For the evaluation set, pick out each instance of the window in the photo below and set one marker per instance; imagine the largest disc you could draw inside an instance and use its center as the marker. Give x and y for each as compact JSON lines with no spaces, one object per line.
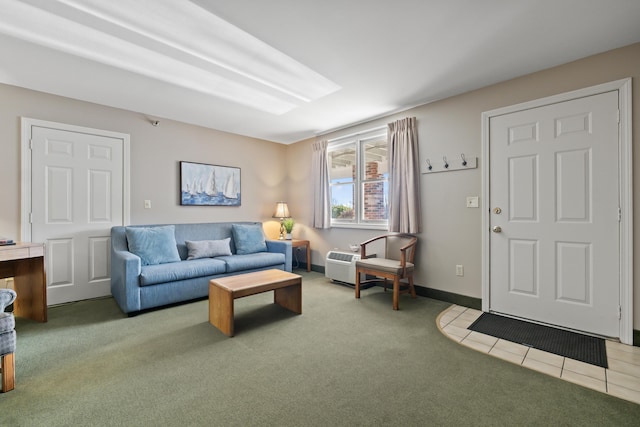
{"x":359,"y":180}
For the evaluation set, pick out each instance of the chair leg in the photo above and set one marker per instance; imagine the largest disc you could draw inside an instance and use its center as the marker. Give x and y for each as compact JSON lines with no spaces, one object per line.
{"x":396,"y":292}
{"x":357,"y":284}
{"x":411,"y":288}
{"x":8,"y":366}
{"x":386,"y":282}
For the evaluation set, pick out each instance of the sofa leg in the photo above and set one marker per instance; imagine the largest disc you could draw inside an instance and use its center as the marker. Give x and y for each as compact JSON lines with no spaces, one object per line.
{"x":8,"y":367}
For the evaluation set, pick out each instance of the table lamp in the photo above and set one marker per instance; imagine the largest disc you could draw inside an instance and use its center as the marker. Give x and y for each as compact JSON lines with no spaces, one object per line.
{"x":282,"y":212}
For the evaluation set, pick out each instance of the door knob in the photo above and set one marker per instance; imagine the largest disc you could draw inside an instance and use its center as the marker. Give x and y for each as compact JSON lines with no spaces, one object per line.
{"x":497,"y":229}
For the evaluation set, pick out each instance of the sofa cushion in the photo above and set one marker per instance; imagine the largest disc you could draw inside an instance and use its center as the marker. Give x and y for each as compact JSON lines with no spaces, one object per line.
{"x":383,"y":264}
{"x":154,"y":245}
{"x":248,"y":238}
{"x":170,"y":272}
{"x":237,"y":263}
{"x":208,"y":248}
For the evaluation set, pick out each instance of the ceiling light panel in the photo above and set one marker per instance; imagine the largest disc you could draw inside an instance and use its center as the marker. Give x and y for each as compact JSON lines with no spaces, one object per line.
{"x":175,"y":41}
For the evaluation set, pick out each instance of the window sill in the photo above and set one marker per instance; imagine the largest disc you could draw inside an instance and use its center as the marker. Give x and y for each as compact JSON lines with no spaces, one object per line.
{"x":384,"y":227}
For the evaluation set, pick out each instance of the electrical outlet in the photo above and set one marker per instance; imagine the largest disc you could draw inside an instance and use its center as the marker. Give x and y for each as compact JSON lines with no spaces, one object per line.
{"x":459,"y":270}
{"x":472,"y":201}
{"x":147,"y":204}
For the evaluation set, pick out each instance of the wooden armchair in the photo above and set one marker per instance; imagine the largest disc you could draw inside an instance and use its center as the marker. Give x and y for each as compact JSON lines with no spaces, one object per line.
{"x":397,"y":264}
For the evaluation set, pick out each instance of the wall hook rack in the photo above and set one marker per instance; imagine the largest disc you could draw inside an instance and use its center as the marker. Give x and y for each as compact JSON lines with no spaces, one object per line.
{"x":464,"y":163}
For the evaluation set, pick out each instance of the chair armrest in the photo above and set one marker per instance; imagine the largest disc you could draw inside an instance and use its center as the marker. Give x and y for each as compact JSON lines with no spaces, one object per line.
{"x":363,"y":245}
{"x":403,"y":258}
{"x":403,"y":253}
{"x":7,"y":296}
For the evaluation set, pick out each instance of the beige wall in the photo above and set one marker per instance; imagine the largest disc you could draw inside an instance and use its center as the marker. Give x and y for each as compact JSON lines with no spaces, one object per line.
{"x":155,"y":153}
{"x":451,"y":232}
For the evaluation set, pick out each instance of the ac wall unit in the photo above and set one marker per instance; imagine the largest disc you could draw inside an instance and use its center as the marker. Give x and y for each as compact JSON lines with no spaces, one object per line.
{"x":340,"y":266}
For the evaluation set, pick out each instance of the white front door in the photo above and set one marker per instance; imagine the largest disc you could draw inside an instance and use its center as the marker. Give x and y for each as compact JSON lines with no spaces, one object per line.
{"x":554,"y":205}
{"x":77,"y":196}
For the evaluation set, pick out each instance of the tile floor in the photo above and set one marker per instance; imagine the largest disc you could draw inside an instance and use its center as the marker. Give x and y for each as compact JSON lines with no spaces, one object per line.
{"x":621,"y":379}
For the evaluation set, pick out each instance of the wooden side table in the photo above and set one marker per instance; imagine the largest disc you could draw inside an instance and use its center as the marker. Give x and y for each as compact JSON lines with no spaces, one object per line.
{"x":25,"y":263}
{"x":295,"y":243}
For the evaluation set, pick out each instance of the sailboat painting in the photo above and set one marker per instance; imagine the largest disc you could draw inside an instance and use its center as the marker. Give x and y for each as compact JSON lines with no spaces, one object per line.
{"x":209,"y":185}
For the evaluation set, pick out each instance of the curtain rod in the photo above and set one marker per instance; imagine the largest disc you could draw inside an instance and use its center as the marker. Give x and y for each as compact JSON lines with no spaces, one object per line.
{"x":357,"y":133}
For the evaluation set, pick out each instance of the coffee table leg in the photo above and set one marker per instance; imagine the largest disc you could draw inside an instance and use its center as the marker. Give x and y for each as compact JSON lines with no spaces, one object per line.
{"x":289,"y":297}
{"x":221,"y":309}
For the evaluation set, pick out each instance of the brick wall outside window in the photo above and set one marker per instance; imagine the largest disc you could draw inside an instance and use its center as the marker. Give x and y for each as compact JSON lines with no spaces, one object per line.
{"x":374,"y":208}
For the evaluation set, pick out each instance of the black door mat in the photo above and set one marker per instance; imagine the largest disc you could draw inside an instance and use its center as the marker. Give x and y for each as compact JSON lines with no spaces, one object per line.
{"x":575,"y":346}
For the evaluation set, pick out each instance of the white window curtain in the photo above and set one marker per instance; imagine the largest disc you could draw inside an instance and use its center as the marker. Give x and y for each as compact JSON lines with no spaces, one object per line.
{"x":321,"y":192}
{"x":404,"y":187}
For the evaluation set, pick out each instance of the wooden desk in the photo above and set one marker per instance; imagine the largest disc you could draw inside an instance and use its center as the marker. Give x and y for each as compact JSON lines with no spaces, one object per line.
{"x":25,"y":263}
{"x":298,"y":243}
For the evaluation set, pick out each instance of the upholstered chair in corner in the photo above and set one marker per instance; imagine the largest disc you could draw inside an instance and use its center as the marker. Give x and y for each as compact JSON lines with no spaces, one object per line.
{"x":7,"y":340}
{"x":395,"y":264}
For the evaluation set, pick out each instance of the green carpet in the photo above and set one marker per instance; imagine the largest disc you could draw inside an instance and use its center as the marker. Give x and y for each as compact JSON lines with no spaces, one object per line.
{"x":342,"y":362}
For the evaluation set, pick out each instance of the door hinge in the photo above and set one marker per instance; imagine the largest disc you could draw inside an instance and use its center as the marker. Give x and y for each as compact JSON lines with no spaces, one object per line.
{"x":619,"y":312}
{"x":30,"y":217}
{"x":619,"y":214}
{"x":618,"y":116}
{"x":31,"y":144}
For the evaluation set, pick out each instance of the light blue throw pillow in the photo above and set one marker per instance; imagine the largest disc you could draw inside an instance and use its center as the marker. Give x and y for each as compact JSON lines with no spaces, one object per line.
{"x":154,"y":245}
{"x":248,"y":238}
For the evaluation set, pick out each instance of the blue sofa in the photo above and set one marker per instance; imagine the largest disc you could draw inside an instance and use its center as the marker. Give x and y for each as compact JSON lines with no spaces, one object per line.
{"x":136,"y":286}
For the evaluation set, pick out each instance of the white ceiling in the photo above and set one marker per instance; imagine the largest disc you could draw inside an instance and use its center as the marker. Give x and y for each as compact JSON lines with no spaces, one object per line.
{"x":369,"y":58}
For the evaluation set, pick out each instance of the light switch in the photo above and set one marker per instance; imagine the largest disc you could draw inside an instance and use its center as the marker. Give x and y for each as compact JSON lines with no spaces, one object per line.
{"x":472,"y":201}
{"x":147,"y":204}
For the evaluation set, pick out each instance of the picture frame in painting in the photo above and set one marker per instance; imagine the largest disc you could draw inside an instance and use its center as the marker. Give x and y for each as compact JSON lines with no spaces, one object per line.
{"x":202,"y":184}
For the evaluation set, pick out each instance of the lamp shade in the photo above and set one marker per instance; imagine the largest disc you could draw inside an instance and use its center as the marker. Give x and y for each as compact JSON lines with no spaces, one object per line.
{"x":282,"y":210}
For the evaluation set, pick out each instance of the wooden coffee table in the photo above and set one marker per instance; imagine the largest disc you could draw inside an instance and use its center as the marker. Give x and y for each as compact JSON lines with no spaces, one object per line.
{"x":287,"y":289}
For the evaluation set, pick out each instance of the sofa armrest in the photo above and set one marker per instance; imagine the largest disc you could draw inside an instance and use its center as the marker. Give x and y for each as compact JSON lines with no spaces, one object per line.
{"x":283,"y":247}
{"x":125,"y":286}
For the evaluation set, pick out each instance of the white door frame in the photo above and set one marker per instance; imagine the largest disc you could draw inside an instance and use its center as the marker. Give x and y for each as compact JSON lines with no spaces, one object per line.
{"x":26,"y":125}
{"x":625,"y":164}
